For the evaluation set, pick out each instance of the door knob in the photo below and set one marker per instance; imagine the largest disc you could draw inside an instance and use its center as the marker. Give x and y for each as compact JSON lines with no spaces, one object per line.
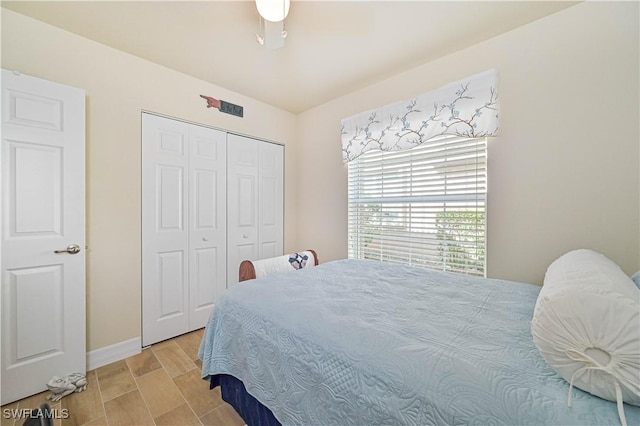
{"x":72,"y":249}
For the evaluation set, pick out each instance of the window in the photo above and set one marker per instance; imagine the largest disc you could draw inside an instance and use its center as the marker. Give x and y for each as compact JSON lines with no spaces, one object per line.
{"x":423,"y":207}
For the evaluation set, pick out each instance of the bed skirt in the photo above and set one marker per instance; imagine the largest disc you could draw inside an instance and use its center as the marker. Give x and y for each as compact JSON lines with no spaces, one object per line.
{"x":249,"y":408}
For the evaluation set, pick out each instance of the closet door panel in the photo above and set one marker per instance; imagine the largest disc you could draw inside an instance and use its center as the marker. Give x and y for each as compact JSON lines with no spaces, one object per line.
{"x":255,"y":201}
{"x":270,"y":200}
{"x":242,"y":201}
{"x":207,"y":221}
{"x":165,"y":269}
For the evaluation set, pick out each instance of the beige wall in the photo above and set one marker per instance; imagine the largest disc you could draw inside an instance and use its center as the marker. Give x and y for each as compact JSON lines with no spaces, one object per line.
{"x":118,"y":86}
{"x":563,"y":173}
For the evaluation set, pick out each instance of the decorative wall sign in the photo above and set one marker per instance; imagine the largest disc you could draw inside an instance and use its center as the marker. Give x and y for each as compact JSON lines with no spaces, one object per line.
{"x":223,"y":106}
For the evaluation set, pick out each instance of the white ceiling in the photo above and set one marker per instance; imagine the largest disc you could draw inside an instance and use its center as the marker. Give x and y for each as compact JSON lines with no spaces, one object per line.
{"x":333,"y":47}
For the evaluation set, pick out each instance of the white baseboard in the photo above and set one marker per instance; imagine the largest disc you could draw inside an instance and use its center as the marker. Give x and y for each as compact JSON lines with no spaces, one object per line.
{"x":113,"y":353}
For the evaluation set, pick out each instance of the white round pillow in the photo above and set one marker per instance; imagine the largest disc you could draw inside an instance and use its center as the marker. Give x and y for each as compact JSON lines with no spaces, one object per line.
{"x":586,"y":324}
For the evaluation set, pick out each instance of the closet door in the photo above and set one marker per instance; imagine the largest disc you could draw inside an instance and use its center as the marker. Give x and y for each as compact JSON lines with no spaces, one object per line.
{"x":242,"y":203}
{"x":254,"y":201}
{"x":165,"y":236}
{"x":270,"y":200}
{"x":183,"y":225}
{"x":208,"y":222}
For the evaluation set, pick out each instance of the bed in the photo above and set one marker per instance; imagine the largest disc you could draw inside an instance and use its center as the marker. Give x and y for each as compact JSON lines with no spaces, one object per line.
{"x":362,"y":342}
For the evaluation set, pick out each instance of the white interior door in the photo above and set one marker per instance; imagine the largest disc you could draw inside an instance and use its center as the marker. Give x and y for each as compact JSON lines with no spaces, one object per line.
{"x":270,"y":200}
{"x":254,"y":201}
{"x":183,"y":225}
{"x":242,"y":203}
{"x":208,"y":222}
{"x":165,"y":236}
{"x":43,"y":233}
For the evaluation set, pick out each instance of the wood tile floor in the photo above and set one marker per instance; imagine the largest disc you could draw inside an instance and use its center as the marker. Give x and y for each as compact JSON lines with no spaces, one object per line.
{"x":160,"y":386}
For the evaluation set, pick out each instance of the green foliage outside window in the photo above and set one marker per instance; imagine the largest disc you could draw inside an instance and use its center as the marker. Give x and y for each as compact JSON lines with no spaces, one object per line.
{"x":461,"y":238}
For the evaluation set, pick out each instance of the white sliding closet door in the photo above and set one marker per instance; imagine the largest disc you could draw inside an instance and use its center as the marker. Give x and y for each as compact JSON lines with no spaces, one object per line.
{"x":254,"y":201}
{"x":183,"y":225}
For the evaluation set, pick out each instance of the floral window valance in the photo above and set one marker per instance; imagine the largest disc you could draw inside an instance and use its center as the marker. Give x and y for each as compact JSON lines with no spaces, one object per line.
{"x":468,"y":107}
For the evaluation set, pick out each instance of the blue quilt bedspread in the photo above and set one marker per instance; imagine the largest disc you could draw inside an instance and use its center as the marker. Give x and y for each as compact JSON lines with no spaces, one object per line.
{"x":367,"y":343}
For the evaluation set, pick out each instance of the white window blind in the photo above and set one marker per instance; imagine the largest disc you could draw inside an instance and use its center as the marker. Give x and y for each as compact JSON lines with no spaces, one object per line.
{"x":423,"y":207}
